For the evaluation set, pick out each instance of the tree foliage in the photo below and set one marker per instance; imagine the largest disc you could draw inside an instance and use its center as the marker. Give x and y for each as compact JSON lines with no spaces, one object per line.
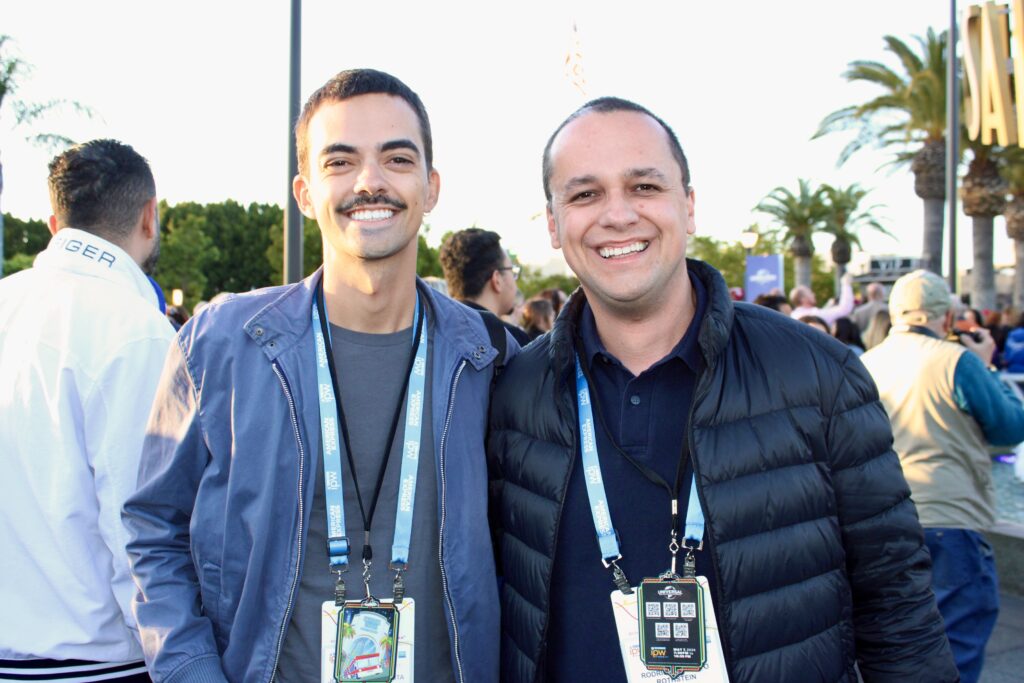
{"x":18,"y":262}
{"x":22,"y":241}
{"x":911,"y":108}
{"x":799,"y":215}
{"x":845,"y":217}
{"x":428,"y":259}
{"x":532,"y":282}
{"x":24,"y":236}
{"x":185,"y":252}
{"x":729,"y":258}
{"x":312,"y":249}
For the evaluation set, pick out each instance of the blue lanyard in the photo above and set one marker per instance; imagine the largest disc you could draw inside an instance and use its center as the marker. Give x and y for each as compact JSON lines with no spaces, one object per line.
{"x":337,"y":543}
{"x":607,"y":537}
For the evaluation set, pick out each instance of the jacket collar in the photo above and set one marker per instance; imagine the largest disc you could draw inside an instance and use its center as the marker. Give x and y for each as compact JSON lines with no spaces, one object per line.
{"x":714,"y":330}
{"x":84,"y":253}
{"x":285,"y":322}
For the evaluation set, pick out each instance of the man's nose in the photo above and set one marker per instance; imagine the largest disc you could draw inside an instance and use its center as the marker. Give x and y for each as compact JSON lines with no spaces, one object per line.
{"x":618,"y":212}
{"x":370,"y":180}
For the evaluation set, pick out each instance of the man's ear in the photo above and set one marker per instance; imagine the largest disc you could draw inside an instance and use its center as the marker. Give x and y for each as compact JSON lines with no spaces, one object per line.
{"x":553,"y":229}
{"x":433,"y":190}
{"x":300,"y":189}
{"x":52,"y":224}
{"x":149,"y":220}
{"x":495,"y":281}
{"x":691,"y":201}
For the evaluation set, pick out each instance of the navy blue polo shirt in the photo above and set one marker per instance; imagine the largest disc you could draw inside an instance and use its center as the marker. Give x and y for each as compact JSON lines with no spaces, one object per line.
{"x":646,"y":416}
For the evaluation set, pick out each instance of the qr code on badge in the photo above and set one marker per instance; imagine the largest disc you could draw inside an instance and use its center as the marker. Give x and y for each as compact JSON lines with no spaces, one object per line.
{"x":653,"y":610}
{"x":688,"y":610}
{"x":681,"y":631}
{"x":662,"y":630}
{"x":671,"y":610}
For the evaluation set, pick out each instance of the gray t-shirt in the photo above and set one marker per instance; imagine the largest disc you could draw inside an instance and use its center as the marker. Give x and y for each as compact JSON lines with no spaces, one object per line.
{"x":371,"y":372}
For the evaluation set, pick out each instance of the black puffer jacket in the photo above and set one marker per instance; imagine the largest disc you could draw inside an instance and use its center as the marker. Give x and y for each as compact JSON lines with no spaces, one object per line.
{"x":818,"y":554}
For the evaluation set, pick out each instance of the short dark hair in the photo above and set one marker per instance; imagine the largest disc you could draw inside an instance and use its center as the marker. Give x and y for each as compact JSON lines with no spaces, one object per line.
{"x":608,"y":105}
{"x":846,"y":331}
{"x":469,"y":258}
{"x":353,"y":83}
{"x":772,"y":301}
{"x":536,"y":310}
{"x":101,"y":187}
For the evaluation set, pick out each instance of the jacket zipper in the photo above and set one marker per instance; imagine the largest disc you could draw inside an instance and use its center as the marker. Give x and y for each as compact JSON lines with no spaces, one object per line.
{"x":444,"y":511}
{"x":698,"y":394}
{"x":299,"y":536}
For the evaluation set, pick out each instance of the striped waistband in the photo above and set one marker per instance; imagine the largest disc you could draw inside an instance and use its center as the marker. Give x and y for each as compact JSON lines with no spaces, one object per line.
{"x":76,"y":670}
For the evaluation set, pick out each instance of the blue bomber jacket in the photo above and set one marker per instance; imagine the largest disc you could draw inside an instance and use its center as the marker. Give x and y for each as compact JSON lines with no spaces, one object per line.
{"x":226,"y":485}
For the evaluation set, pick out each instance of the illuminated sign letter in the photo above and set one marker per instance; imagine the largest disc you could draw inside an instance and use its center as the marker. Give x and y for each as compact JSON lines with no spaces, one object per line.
{"x":995,"y":79}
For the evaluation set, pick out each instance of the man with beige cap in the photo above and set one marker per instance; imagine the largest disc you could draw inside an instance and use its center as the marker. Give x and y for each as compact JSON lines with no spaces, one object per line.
{"x":947,"y":405}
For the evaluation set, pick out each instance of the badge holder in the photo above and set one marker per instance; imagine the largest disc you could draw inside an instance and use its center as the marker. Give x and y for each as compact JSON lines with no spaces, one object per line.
{"x":672,"y":618}
{"x":367,"y":639}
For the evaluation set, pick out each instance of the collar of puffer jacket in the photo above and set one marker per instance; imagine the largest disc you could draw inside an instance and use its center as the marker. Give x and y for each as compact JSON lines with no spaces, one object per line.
{"x":714,"y":329}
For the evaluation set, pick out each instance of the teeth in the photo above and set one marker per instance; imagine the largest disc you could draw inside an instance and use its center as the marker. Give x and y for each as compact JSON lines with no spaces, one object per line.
{"x":372,"y":214}
{"x":609,"y":252}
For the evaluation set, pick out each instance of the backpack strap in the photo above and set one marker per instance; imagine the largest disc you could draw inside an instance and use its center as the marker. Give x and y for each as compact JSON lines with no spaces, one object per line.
{"x":496,"y":331}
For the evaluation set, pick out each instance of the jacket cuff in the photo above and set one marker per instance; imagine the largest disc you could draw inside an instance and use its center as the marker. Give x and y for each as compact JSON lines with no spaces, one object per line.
{"x":205,"y":669}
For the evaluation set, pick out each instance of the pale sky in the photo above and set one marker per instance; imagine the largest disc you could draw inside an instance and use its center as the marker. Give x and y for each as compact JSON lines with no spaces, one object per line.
{"x":200,"y":89}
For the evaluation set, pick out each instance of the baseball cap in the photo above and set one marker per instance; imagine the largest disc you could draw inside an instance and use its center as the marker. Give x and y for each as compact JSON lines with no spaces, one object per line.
{"x":917,"y":298}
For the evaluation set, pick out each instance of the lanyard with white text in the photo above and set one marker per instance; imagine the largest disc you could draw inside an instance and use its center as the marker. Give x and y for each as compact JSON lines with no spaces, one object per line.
{"x":331,"y":416}
{"x":607,"y":537}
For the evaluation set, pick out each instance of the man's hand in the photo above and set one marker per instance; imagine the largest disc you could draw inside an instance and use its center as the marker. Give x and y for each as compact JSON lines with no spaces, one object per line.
{"x":984,"y":348}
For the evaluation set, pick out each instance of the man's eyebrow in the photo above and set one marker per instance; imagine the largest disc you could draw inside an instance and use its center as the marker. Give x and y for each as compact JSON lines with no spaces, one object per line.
{"x":649,"y":172}
{"x":400,"y":144}
{"x":337,"y":148}
{"x":579,"y":180}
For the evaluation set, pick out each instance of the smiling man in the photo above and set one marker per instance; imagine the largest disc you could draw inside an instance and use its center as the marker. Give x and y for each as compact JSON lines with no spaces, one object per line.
{"x":691,"y":483}
{"x":313,"y":496}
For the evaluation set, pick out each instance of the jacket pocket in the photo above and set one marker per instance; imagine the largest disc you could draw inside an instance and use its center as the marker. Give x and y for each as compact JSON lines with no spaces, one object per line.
{"x":210,"y":591}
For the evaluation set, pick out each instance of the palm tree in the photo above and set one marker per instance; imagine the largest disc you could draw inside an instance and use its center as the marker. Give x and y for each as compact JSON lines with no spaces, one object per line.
{"x":1012,"y":169}
{"x":844,"y":217}
{"x":911,"y":115}
{"x":799,"y":215}
{"x":983,"y":193}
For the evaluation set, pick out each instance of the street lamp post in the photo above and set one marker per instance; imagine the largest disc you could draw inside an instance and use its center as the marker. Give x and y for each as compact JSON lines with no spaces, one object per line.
{"x":292,"y":257}
{"x":748,"y":239}
{"x":952,"y":139}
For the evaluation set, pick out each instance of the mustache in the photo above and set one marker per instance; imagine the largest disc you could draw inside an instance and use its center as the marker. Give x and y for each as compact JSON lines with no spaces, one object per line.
{"x":368,"y":200}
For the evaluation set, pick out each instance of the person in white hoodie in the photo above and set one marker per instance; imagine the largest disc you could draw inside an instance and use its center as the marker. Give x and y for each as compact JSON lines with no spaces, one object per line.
{"x":82,"y":345}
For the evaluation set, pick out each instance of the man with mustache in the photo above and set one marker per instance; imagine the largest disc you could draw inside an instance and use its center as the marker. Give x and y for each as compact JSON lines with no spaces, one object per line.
{"x":313,"y":501}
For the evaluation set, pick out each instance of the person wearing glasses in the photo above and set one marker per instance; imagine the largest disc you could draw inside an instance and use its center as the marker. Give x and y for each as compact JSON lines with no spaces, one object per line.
{"x":481,"y":275}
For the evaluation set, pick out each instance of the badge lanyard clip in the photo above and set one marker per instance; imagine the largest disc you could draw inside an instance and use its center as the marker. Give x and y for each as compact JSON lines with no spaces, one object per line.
{"x":339,"y":587}
{"x":398,"y":590}
{"x":618,"y":576}
{"x":673,"y":545}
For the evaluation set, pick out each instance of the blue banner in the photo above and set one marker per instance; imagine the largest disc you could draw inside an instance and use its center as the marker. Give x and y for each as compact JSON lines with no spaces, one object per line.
{"x":764,"y":273}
